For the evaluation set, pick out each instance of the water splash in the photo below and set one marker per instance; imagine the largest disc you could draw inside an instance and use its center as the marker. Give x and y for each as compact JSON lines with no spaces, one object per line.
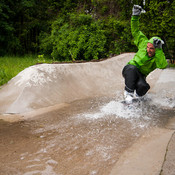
{"x":165,"y":100}
{"x":36,"y":75}
{"x":140,"y":114}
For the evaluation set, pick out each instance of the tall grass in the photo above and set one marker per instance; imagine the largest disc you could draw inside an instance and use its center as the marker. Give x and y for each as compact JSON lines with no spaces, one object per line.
{"x":10,"y":66}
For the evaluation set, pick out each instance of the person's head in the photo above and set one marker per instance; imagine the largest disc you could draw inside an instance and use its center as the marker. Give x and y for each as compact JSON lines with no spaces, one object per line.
{"x":150,"y":46}
{"x":150,"y":50}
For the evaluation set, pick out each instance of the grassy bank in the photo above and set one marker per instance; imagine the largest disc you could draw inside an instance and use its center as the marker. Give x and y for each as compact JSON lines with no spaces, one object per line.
{"x":10,"y":66}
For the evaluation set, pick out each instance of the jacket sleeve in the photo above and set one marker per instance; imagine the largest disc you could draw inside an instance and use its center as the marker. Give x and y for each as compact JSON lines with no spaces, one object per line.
{"x":140,"y":39}
{"x":161,"y":61}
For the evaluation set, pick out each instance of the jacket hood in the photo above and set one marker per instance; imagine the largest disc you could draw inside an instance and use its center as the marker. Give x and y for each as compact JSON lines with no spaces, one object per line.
{"x":152,"y":39}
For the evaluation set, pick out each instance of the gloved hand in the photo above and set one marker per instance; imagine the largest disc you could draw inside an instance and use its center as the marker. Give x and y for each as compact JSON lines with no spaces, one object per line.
{"x":136,"y":10}
{"x":158,"y":43}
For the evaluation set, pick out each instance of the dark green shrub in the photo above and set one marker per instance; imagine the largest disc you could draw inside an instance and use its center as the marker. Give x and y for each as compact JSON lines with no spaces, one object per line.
{"x":119,"y":36}
{"x":160,"y":21}
{"x":80,"y":37}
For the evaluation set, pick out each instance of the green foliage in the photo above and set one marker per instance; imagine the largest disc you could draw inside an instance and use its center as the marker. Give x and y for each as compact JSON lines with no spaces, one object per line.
{"x":74,"y":29}
{"x":20,"y":24}
{"x":41,"y":59}
{"x":160,"y":21}
{"x":81,"y":37}
{"x":70,"y":30}
{"x":76,"y":37}
{"x":10,"y":66}
{"x":7,"y":39}
{"x":3,"y":77}
{"x":119,"y":36}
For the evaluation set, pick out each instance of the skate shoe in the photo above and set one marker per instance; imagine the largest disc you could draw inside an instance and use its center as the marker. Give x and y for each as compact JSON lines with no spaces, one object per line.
{"x":129,"y":96}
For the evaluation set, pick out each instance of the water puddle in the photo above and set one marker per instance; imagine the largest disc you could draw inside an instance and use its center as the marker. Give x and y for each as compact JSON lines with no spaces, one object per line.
{"x":86,"y":138}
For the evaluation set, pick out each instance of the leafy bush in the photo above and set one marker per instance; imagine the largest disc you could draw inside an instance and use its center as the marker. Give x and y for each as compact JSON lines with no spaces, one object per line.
{"x":160,"y":21}
{"x":76,"y":37}
{"x":119,"y":36}
{"x":81,"y":37}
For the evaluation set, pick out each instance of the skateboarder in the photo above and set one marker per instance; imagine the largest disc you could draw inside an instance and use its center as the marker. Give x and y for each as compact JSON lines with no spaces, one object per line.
{"x":148,"y":57}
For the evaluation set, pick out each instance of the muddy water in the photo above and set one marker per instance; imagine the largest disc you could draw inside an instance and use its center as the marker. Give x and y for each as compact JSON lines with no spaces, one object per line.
{"x":85,"y":138}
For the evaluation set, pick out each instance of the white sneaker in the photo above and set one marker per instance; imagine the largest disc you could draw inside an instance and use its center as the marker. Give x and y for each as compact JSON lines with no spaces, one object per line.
{"x":136,"y":95}
{"x":129,"y":96}
{"x":139,"y":97}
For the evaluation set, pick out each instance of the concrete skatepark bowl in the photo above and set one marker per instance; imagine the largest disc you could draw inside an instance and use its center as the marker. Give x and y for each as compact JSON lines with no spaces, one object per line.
{"x":67,"y":119}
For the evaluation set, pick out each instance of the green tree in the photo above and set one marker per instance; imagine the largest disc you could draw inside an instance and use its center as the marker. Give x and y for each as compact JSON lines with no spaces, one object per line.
{"x":28,"y":25}
{"x":7,"y":37}
{"x":31,"y":17}
{"x":160,"y":21}
{"x":80,"y":36}
{"x":76,"y":37}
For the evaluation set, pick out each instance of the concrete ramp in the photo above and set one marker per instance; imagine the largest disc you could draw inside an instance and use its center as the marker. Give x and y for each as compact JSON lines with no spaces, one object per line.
{"x":71,"y":121}
{"x":49,"y":84}
{"x":164,"y":89}
{"x":46,"y":85}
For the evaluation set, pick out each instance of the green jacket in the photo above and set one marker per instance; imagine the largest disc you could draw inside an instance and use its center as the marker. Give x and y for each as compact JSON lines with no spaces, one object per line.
{"x":141,"y":60}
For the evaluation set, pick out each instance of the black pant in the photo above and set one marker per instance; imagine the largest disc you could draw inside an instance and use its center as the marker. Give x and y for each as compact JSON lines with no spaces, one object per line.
{"x":134,"y":80}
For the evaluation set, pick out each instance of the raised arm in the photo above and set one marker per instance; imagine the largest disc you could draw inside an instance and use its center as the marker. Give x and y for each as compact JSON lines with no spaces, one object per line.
{"x":160,"y":59}
{"x":140,"y":39}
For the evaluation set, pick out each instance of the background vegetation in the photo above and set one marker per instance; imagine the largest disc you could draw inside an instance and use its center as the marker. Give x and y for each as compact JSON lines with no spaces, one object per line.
{"x":69,"y":30}
{"x":11,"y":65}
{"x":80,"y":29}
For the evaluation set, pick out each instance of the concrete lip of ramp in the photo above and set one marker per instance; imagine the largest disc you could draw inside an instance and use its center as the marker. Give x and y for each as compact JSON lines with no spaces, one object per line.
{"x":67,"y":119}
{"x":49,"y":84}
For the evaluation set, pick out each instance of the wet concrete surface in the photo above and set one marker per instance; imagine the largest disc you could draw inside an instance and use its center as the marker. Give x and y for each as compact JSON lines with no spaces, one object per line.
{"x":69,"y":120}
{"x":169,"y":164}
{"x":168,"y":167}
{"x":70,"y":141}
